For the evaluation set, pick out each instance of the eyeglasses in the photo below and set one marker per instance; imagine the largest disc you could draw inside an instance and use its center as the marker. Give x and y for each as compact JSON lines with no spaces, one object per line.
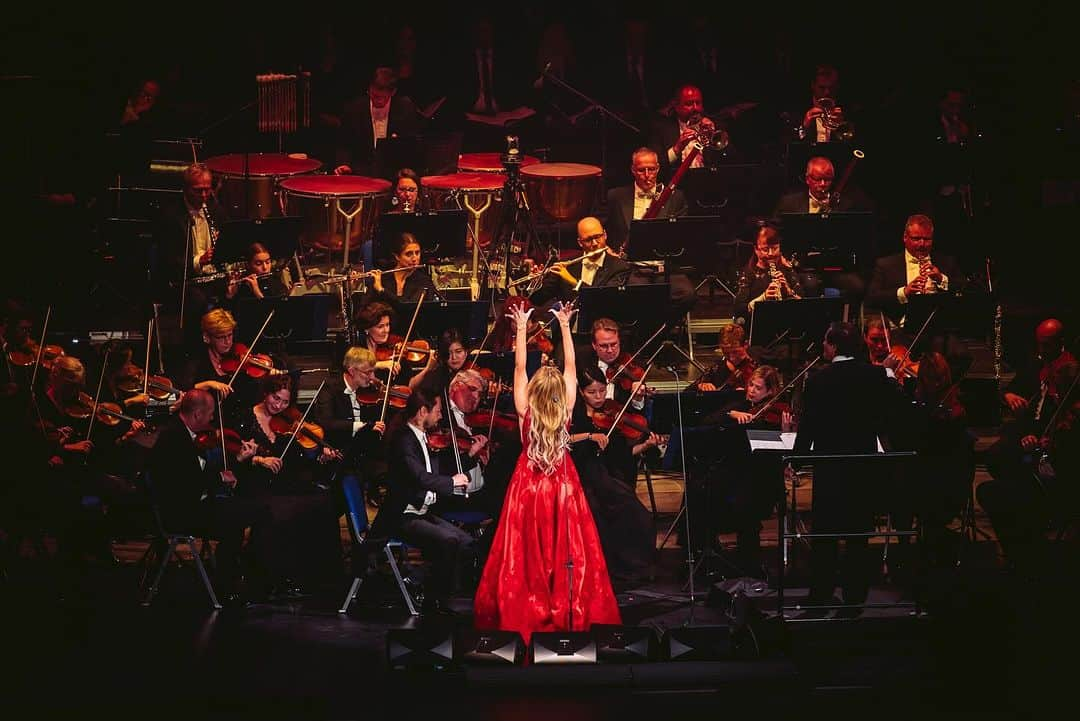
{"x":607,"y":346}
{"x":592,"y":238}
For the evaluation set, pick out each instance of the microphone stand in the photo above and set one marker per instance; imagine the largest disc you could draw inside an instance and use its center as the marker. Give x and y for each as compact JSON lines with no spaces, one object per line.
{"x":686,"y":496}
{"x":593,"y":105}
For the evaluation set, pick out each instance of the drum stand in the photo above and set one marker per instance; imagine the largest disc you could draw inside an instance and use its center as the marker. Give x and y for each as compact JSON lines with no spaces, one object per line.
{"x":474,"y":231}
{"x":346,"y":285}
{"x":514,"y":212}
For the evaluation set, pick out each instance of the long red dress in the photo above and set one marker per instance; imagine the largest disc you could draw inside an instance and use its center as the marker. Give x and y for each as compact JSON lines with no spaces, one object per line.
{"x":545,"y":519}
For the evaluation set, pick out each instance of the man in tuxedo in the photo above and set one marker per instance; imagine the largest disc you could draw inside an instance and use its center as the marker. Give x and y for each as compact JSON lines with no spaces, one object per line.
{"x":415,"y":488}
{"x":629,"y":203}
{"x":601,"y":269}
{"x":847,"y":407}
{"x":672,"y":137}
{"x":915,"y":271}
{"x":195,"y":496}
{"x":605,"y":353}
{"x":816,"y":196}
{"x":371,"y":120}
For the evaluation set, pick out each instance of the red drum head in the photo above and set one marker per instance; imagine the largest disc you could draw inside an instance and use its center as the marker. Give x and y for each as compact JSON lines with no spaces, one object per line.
{"x":261,"y":164}
{"x":464,"y":181}
{"x":345,"y":186}
{"x":488,"y":162}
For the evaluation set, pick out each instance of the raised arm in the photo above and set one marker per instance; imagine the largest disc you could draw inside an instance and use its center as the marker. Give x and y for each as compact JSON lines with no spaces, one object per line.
{"x":521,"y":376}
{"x":562,"y":316}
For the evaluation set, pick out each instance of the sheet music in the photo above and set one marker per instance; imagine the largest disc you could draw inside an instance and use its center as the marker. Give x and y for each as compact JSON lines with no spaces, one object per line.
{"x":776,"y":441}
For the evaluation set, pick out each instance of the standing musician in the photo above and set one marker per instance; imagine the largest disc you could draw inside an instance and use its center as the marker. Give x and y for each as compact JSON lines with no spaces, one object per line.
{"x":372,"y":119}
{"x":608,"y":469}
{"x":629,"y":203}
{"x":404,"y":286}
{"x":768,"y":275}
{"x":916,"y":271}
{"x":282,"y":474}
{"x":417,"y":486}
{"x":600,"y":270}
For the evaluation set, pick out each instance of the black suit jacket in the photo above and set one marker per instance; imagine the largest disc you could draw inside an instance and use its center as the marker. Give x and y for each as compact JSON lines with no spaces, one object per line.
{"x":409,"y":481}
{"x":798,"y":201}
{"x":172,"y":231}
{"x":890,"y":274}
{"x":614,"y":272}
{"x":620,"y":203}
{"x":334,"y":412}
{"x":356,"y":144}
{"x":178,"y":483}
{"x":847,"y":406}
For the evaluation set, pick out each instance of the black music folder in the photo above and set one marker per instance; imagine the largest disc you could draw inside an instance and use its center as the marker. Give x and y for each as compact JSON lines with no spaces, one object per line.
{"x":807,"y":318}
{"x":441,"y":233}
{"x":833,"y":241}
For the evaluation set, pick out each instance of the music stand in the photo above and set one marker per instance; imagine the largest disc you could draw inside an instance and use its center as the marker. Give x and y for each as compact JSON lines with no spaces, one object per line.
{"x":280,"y":235}
{"x":470,"y":317}
{"x":834,"y":241}
{"x":641,"y":308}
{"x":969,"y":316}
{"x":297,"y":319}
{"x":804,"y":318}
{"x":441,"y":234}
{"x":730,"y":190}
{"x":689,"y":243}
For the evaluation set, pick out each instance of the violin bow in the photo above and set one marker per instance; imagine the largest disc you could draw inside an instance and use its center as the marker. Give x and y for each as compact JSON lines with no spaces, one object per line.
{"x":885,"y":327}
{"x":97,"y":396}
{"x":784,"y":390}
{"x":918,"y":335}
{"x":401,"y":353}
{"x":221,"y":430}
{"x":251,"y":348}
{"x":494,"y":405}
{"x":451,"y":421}
{"x":644,"y":345}
{"x":37,"y":364}
{"x":146,"y":369}
{"x":303,"y":418}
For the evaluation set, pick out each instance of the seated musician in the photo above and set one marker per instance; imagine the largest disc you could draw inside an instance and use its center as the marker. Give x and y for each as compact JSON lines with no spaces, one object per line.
{"x":735,"y":491}
{"x":417,"y":486}
{"x":204,"y":370}
{"x":917,"y":270}
{"x":450,"y":356}
{"x":629,"y":203}
{"x":257,"y":279}
{"x":373,"y":321}
{"x":608,"y":469}
{"x":672,"y":137}
{"x":371,"y":119}
{"x":600,"y":270}
{"x":194,"y":495}
{"x":734,"y":369}
{"x":605,"y":352}
{"x":283,"y":475}
{"x":407,"y":195}
{"x":768,"y":275}
{"x":504,"y":332}
{"x":1032,"y":397}
{"x":404,"y":286}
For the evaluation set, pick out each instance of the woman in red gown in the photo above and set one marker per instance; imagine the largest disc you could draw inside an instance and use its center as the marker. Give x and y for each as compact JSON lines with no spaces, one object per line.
{"x":528,"y":583}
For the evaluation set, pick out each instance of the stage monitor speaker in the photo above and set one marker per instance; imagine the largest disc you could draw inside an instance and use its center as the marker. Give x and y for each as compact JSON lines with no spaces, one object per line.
{"x":559,"y":647}
{"x":419,"y":648}
{"x":491,"y":647}
{"x":624,"y":644}
{"x":698,"y":643}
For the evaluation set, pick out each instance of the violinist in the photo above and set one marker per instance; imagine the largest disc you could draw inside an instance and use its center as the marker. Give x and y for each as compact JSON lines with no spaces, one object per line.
{"x":450,"y":357}
{"x":373,"y":323}
{"x":474,"y":448}
{"x":608,"y":470}
{"x":734,"y":370}
{"x":258,"y":279}
{"x":282,"y":475}
{"x":504,"y":332}
{"x":184,"y":483}
{"x":768,"y":276}
{"x":404,"y":286}
{"x":606,"y":353}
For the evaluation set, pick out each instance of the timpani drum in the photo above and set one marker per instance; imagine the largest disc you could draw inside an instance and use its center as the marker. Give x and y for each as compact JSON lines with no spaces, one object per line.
{"x":319,"y":198}
{"x":488,"y":162}
{"x":251,"y":194}
{"x":478,"y":193}
{"x":562,"y":191}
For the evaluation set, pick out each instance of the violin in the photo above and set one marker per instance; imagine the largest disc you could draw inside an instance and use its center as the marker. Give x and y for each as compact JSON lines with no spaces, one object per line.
{"x":908,"y":369}
{"x":80,"y":407}
{"x":441,"y":441}
{"x":418,"y":350}
{"x":498,"y":421}
{"x":536,"y":340}
{"x":157,"y":387}
{"x":630,"y":373}
{"x":26,"y":356}
{"x":774,"y":413}
{"x":399,"y":395}
{"x":738,"y":374}
{"x":633,"y":426}
{"x":211,"y":439}
{"x":309,"y":436}
{"x":257,"y":365}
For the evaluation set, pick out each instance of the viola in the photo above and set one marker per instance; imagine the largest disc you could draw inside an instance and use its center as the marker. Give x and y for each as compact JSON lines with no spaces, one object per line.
{"x":633,"y":426}
{"x":257,"y":365}
{"x":309,"y":436}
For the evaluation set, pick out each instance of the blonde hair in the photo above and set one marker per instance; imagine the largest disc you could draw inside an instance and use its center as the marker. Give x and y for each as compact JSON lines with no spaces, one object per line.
{"x":548,"y":436}
{"x":357,"y":356}
{"x":68,"y":371}
{"x":218,"y":322}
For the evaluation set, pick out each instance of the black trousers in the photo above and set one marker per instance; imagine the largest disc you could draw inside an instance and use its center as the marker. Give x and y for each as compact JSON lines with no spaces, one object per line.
{"x":447,"y":549}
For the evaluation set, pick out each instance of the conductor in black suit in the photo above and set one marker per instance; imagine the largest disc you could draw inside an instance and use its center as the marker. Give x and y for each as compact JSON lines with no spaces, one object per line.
{"x":414,"y":488}
{"x":630,"y":202}
{"x":846,"y":409}
{"x":600,"y":270}
{"x":917,"y":270}
{"x":376,"y":117}
{"x":194,"y":494}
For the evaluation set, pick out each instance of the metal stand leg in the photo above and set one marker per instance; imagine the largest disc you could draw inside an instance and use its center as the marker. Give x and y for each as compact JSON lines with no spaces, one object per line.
{"x":160,"y":572}
{"x":400,"y":581}
{"x":350,"y":596}
{"x":202,"y":574}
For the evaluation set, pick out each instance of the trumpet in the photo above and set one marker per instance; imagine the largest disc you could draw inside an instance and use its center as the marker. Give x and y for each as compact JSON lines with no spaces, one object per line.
{"x":832,"y":120}
{"x":546,"y":270}
{"x":707,"y":135}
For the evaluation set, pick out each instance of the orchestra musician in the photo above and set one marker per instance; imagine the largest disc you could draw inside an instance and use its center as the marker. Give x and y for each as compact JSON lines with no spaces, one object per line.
{"x":672,"y":137}
{"x":475,"y":448}
{"x":258,"y":280}
{"x":374,"y":118}
{"x":407,"y":195}
{"x":373,"y":321}
{"x":768,"y":276}
{"x":417,"y":486}
{"x":283,"y":475}
{"x":735,"y":366}
{"x":817,"y":197}
{"x":504,"y":332}
{"x":605,"y":352}
{"x":915,"y":271}
{"x":607,"y":465}
{"x":450,"y":357}
{"x":404,"y":286}
{"x":600,"y":270}
{"x":629,"y":203}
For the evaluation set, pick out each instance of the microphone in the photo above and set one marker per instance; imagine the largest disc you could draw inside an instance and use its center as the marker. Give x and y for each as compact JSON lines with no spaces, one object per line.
{"x":539,"y":82}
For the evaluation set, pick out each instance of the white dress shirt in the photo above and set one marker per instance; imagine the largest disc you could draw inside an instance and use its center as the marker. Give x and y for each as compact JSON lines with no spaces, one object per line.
{"x":911,"y":266}
{"x":429,"y":496}
{"x":357,"y":424}
{"x":815,"y":206}
{"x":609,"y":392}
{"x":475,"y":474}
{"x":200,"y":239}
{"x":380,"y":120}
{"x":642,"y":200}
{"x":699,"y":162}
{"x":590,"y":266}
